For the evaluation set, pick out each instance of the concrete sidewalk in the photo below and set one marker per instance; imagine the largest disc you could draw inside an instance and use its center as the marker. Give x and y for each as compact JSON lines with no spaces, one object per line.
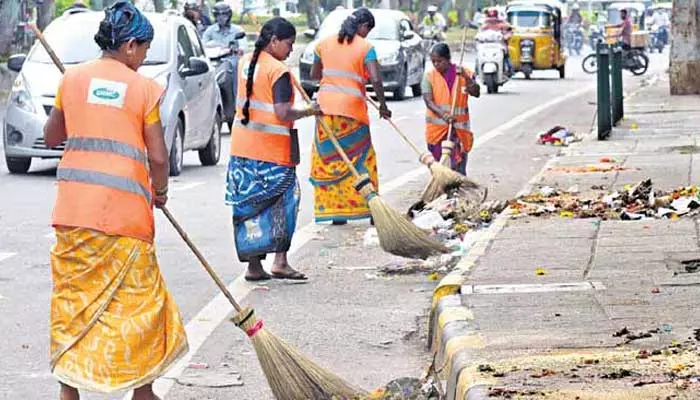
{"x":503,"y":330}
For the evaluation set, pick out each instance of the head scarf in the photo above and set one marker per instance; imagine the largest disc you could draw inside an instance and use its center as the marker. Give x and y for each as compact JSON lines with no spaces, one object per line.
{"x":125,"y":22}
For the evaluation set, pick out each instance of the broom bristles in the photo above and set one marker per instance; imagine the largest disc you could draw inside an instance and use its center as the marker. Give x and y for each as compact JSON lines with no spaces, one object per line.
{"x":399,"y":236}
{"x":444,"y":179}
{"x":289,"y":373}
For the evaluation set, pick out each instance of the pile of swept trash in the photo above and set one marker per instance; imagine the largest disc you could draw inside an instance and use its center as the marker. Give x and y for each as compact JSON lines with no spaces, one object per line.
{"x":640,"y":201}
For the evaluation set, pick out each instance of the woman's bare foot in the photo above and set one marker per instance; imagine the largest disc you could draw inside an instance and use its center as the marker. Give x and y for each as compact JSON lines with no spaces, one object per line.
{"x":69,"y":393}
{"x":282,"y":270}
{"x":256,"y":272}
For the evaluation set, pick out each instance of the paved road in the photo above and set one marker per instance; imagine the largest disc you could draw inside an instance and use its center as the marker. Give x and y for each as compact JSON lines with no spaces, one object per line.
{"x":346,"y":315}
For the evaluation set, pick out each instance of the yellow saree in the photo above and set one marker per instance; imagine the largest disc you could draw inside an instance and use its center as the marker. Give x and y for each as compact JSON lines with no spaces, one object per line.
{"x":114,"y":325}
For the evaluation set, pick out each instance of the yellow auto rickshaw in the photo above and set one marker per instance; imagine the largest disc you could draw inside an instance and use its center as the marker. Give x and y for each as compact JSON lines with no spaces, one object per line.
{"x":636,"y":12}
{"x":536,"y":43}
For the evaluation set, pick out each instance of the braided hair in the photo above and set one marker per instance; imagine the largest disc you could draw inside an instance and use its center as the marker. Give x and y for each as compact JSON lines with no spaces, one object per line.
{"x":278,"y":28}
{"x":123,"y":22}
{"x":349,"y":28}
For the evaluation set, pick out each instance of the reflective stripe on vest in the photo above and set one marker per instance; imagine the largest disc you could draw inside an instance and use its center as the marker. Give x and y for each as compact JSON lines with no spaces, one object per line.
{"x":106,"y":146}
{"x":458,"y":110}
{"x":102,"y":179}
{"x":342,"y":89}
{"x":456,"y":125}
{"x":255,"y":104}
{"x":336,"y":73}
{"x":267,"y":128}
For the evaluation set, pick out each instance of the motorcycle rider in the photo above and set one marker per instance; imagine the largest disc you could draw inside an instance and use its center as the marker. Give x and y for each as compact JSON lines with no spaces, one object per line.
{"x":626,"y":31}
{"x":434,"y":22}
{"x":493,"y":22}
{"x":660,"y":23}
{"x":574,"y":23}
{"x":223,"y":33}
{"x":194,"y":13}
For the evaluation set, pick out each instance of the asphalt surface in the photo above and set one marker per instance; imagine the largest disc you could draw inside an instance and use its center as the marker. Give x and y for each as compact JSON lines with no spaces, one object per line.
{"x":368,"y":330}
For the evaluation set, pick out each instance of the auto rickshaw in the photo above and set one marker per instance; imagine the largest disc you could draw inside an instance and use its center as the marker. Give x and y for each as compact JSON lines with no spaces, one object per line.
{"x":536,"y":43}
{"x":635,"y":11}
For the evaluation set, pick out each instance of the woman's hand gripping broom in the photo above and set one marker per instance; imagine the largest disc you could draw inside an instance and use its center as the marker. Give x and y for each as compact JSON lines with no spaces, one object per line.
{"x":291,"y":375}
{"x":397,"y":234}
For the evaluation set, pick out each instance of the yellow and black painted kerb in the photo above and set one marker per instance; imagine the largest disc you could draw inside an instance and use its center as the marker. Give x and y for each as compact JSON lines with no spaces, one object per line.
{"x":453,"y":331}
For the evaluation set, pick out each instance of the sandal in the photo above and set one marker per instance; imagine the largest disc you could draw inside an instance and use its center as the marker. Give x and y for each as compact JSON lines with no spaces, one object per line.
{"x":264,"y":277}
{"x":292,"y":275}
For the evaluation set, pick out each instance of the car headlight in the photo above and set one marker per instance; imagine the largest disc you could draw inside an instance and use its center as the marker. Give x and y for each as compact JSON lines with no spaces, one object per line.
{"x":21,"y":97}
{"x":388,"y":59}
{"x":308,"y":56}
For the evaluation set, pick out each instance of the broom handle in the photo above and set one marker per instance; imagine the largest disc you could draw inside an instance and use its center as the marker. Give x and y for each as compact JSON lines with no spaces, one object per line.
{"x":456,"y":86}
{"x":201,"y":259}
{"x":167,"y":213}
{"x":398,"y":130}
{"x":48,"y":48}
{"x":330,"y":134}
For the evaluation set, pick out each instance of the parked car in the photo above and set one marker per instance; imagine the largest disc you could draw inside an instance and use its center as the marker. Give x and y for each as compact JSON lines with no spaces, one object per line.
{"x":190,"y":110}
{"x":399,"y":50}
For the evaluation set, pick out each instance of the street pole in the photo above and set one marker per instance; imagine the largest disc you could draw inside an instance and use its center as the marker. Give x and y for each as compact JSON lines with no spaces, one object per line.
{"x":617,"y":88}
{"x":603,"y":93}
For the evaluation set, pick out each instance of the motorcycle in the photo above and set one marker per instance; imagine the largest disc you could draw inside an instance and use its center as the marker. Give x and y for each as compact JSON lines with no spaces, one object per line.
{"x":633,"y":60}
{"x":658,"y":39}
{"x":431,"y":35}
{"x":595,"y":36}
{"x":225,"y":62}
{"x":490,"y":63}
{"x":574,"y":38}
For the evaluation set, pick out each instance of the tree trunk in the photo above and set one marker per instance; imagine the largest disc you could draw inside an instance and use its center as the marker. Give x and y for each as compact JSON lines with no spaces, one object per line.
{"x":158,"y":5}
{"x":9,"y":16}
{"x":46,"y":11}
{"x":685,"y":47}
{"x":311,"y":13}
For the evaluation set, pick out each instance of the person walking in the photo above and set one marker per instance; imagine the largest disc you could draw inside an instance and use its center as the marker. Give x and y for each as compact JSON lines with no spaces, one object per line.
{"x":262,"y":187}
{"x":343,"y":62}
{"x":439,"y":87}
{"x":114,"y":325}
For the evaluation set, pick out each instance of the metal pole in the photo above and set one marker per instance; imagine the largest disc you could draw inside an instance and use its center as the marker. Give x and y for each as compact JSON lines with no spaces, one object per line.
{"x":604,"y":122}
{"x":617,"y":86}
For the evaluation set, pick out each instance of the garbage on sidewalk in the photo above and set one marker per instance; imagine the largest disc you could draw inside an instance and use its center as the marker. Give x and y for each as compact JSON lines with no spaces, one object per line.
{"x":635,"y":202}
{"x":558,"y":136}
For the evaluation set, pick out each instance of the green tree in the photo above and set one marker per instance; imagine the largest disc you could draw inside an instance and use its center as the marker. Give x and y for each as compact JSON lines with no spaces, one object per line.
{"x":9,"y":16}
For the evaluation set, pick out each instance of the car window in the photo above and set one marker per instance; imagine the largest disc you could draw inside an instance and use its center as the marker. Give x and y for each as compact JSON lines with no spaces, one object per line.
{"x":184,"y":46}
{"x":194,"y":40}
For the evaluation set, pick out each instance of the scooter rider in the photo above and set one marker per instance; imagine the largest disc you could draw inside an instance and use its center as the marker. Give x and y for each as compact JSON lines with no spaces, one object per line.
{"x":434,"y":21}
{"x":494,"y":23}
{"x":223,"y":33}
{"x":194,"y":13}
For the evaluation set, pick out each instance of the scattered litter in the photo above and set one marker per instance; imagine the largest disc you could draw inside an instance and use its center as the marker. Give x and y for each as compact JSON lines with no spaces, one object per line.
{"x":371,"y":238}
{"x":607,"y":160}
{"x":622,"y":332}
{"x":485,"y":368}
{"x":619,"y":374}
{"x":545,"y":372}
{"x":433,"y":276}
{"x":540,"y":272}
{"x":587,"y":169}
{"x":656,"y":290}
{"x":667,"y":328}
{"x":431,"y":220}
{"x":195,"y":365}
{"x":558,"y":136}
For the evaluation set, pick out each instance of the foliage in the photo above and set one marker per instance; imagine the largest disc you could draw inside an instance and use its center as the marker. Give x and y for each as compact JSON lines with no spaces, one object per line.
{"x":62,"y":5}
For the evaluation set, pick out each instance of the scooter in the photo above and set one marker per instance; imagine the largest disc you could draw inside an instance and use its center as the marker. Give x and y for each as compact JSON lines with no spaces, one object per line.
{"x":595,"y":36}
{"x":574,"y":38}
{"x":431,"y":36}
{"x":225,"y":62}
{"x":490,"y":63}
{"x":658,"y":39}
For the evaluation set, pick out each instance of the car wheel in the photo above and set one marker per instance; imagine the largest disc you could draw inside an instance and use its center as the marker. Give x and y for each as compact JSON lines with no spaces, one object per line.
{"x":18,"y":165}
{"x":177,"y":150}
{"x":562,"y":72}
{"x":400,"y":91}
{"x":210,"y":155}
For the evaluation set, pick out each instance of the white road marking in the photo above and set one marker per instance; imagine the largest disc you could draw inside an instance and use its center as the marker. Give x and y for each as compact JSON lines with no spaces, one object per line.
{"x":208,"y":319}
{"x":187,"y":186}
{"x":5,"y":256}
{"x":532,"y":288}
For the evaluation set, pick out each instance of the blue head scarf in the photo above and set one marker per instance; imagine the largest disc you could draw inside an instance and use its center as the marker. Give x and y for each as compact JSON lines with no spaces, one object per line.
{"x":122,"y":23}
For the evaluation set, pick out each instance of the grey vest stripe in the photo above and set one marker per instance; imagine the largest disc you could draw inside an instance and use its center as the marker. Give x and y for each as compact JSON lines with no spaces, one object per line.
{"x":341,"y":89}
{"x":458,"y":110}
{"x":267,"y":128}
{"x":258,"y":105}
{"x":106,"y":146}
{"x":102,"y":179}
{"x":457,"y":125}
{"x":343,"y":74}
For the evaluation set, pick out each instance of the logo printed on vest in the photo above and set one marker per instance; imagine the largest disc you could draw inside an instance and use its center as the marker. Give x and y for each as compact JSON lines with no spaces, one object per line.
{"x":106,"y":93}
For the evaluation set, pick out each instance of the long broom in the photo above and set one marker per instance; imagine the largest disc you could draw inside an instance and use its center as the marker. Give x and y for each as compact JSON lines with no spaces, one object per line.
{"x":291,"y":375}
{"x":443,"y":177}
{"x":397,"y":235}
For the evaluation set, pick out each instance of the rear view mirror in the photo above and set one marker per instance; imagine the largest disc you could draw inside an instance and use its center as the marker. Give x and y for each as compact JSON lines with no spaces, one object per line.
{"x":16,"y":62}
{"x":239,"y":35}
{"x":196,"y":66}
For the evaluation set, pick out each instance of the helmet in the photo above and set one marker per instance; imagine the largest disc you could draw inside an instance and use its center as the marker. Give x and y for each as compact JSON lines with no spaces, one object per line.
{"x":191,"y":5}
{"x":222,"y":12}
{"x":576,"y":7}
{"x":492,"y":13}
{"x":432,"y":8}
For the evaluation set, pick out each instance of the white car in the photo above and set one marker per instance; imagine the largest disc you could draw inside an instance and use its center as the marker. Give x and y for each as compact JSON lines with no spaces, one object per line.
{"x":190,"y":109}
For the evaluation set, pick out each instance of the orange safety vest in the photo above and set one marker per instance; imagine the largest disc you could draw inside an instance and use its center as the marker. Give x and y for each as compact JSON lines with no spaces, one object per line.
{"x":342,"y":89}
{"x":266,"y":137}
{"x":103,"y":179}
{"x":436,"y":127}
